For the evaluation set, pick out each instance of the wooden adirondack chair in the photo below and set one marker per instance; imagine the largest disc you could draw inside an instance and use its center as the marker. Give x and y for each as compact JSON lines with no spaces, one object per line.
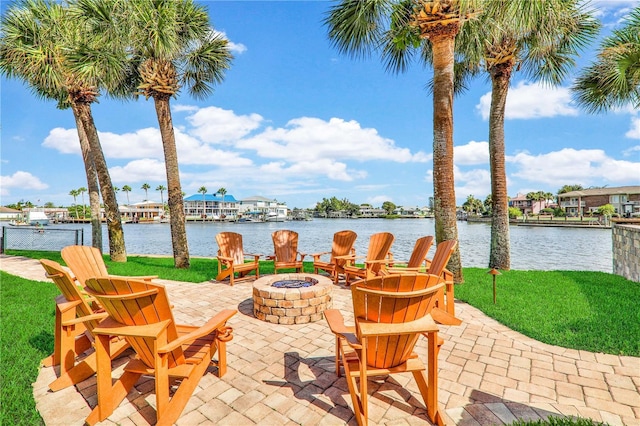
{"x":437,"y":266}
{"x":285,"y":248}
{"x":86,"y":262}
{"x":342,"y":246}
{"x":140,"y":311}
{"x":390,"y":313}
{"x":377,"y":258}
{"x":76,"y":319}
{"x":416,"y":260}
{"x":232,"y":258}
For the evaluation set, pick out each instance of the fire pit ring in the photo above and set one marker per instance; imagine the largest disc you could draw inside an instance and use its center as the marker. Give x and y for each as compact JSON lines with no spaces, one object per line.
{"x":304,"y":303}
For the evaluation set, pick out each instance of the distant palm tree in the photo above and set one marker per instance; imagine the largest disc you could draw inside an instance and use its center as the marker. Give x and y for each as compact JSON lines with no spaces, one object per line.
{"x":127,"y":189}
{"x":222,"y":192}
{"x":614,"y":79}
{"x":74,"y":193}
{"x":161,"y":188}
{"x":146,"y":187}
{"x":82,"y":190}
{"x":203,"y":190}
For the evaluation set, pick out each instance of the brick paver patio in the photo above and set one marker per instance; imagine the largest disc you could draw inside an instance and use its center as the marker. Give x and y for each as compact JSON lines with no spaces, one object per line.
{"x":284,"y":374}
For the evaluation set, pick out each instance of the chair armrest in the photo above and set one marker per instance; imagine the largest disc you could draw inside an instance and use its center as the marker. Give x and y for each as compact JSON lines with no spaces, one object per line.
{"x":348,"y":257}
{"x":320,"y":254}
{"x":336,"y":324}
{"x":213,"y":324}
{"x":111,"y":327}
{"x":302,"y":256}
{"x":81,"y":320}
{"x":422,"y":325}
{"x":225,"y":258}
{"x":254,"y":255}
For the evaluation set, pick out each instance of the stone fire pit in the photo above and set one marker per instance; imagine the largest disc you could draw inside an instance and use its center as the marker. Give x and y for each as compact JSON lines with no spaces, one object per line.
{"x":304,"y":303}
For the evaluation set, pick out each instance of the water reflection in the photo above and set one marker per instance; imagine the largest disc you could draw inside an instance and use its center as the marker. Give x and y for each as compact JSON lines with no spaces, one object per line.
{"x":540,"y":248}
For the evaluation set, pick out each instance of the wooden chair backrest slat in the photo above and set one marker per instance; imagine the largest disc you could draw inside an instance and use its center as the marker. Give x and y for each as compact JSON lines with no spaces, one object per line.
{"x":387,"y":351}
{"x":285,"y":245}
{"x":69,"y":289}
{"x":85,"y":262}
{"x":379,"y":247}
{"x":420,"y":251}
{"x":444,"y":250}
{"x":230,"y":245}
{"x":342,"y":245}
{"x":143,"y":309}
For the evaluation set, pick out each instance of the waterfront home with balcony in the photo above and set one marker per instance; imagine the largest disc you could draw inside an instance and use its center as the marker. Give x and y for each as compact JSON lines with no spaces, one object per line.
{"x":210,"y":207}
{"x":261,"y":208}
{"x":624,"y":199}
{"x":525,"y":205}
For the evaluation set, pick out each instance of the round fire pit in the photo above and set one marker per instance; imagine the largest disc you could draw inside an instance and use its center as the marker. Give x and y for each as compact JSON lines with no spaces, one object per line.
{"x":291,"y":298}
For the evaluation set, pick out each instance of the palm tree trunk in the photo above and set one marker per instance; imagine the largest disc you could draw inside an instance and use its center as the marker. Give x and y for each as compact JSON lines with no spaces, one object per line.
{"x":500,"y":252}
{"x":443,"y":180}
{"x":174,"y":190}
{"x":117,"y":249}
{"x":92,"y":185}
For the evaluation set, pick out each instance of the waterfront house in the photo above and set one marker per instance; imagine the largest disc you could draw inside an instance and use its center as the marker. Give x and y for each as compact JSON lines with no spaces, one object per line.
{"x":367,"y":210}
{"x":525,"y":205}
{"x":140,"y":212}
{"x":261,"y":208}
{"x":210,"y":207}
{"x":624,"y":199}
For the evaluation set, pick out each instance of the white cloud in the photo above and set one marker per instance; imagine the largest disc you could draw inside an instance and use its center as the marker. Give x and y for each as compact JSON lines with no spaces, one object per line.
{"x":182,"y":107}
{"x":471,"y":153}
{"x":145,"y":170}
{"x":586,"y":167}
{"x":217,"y":125}
{"x":21,"y":180}
{"x":314,"y":139}
{"x":634,"y":131}
{"x":532,"y":100}
{"x":62,"y":140}
{"x":476,"y":182}
{"x":237,"y":48}
{"x":631,"y":151}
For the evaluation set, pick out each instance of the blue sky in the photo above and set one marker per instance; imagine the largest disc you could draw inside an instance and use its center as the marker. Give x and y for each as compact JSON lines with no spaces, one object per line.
{"x":297,"y":121}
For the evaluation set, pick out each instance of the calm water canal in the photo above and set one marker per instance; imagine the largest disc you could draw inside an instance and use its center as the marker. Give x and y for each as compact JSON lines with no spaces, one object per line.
{"x":541,"y":248}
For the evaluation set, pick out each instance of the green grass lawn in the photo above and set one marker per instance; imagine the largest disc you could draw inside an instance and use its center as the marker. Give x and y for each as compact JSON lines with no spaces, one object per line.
{"x":592,"y":311}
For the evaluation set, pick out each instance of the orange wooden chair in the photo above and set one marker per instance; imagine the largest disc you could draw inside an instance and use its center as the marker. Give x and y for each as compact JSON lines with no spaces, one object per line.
{"x":390,"y":312}
{"x":232,"y":259}
{"x":140,"y":311}
{"x":285,"y":248}
{"x":87,"y":262}
{"x":416,"y":261}
{"x":376,"y":260}
{"x":75,"y":321}
{"x":342,"y":245}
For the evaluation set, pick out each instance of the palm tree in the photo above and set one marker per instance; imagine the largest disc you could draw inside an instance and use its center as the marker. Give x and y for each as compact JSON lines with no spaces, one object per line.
{"x":145,"y":186}
{"x":82,"y":190}
{"x":38,"y":40}
{"x":74,"y":193}
{"x":398,"y":28}
{"x":614,"y":79}
{"x":127,"y":189}
{"x":161,"y":188}
{"x":171,"y":46}
{"x":222,"y":192}
{"x":543,"y":39}
{"x":203,"y":190}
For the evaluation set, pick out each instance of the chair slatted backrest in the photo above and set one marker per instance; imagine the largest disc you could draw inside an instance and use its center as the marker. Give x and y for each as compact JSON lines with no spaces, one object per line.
{"x":393,"y":299}
{"x":420,"y":251}
{"x":69,"y":289}
{"x":379,"y":247}
{"x":342,"y":245}
{"x":285,"y":245}
{"x":85,"y":262}
{"x":444,"y":250}
{"x":230,"y":245}
{"x":136,"y":302}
